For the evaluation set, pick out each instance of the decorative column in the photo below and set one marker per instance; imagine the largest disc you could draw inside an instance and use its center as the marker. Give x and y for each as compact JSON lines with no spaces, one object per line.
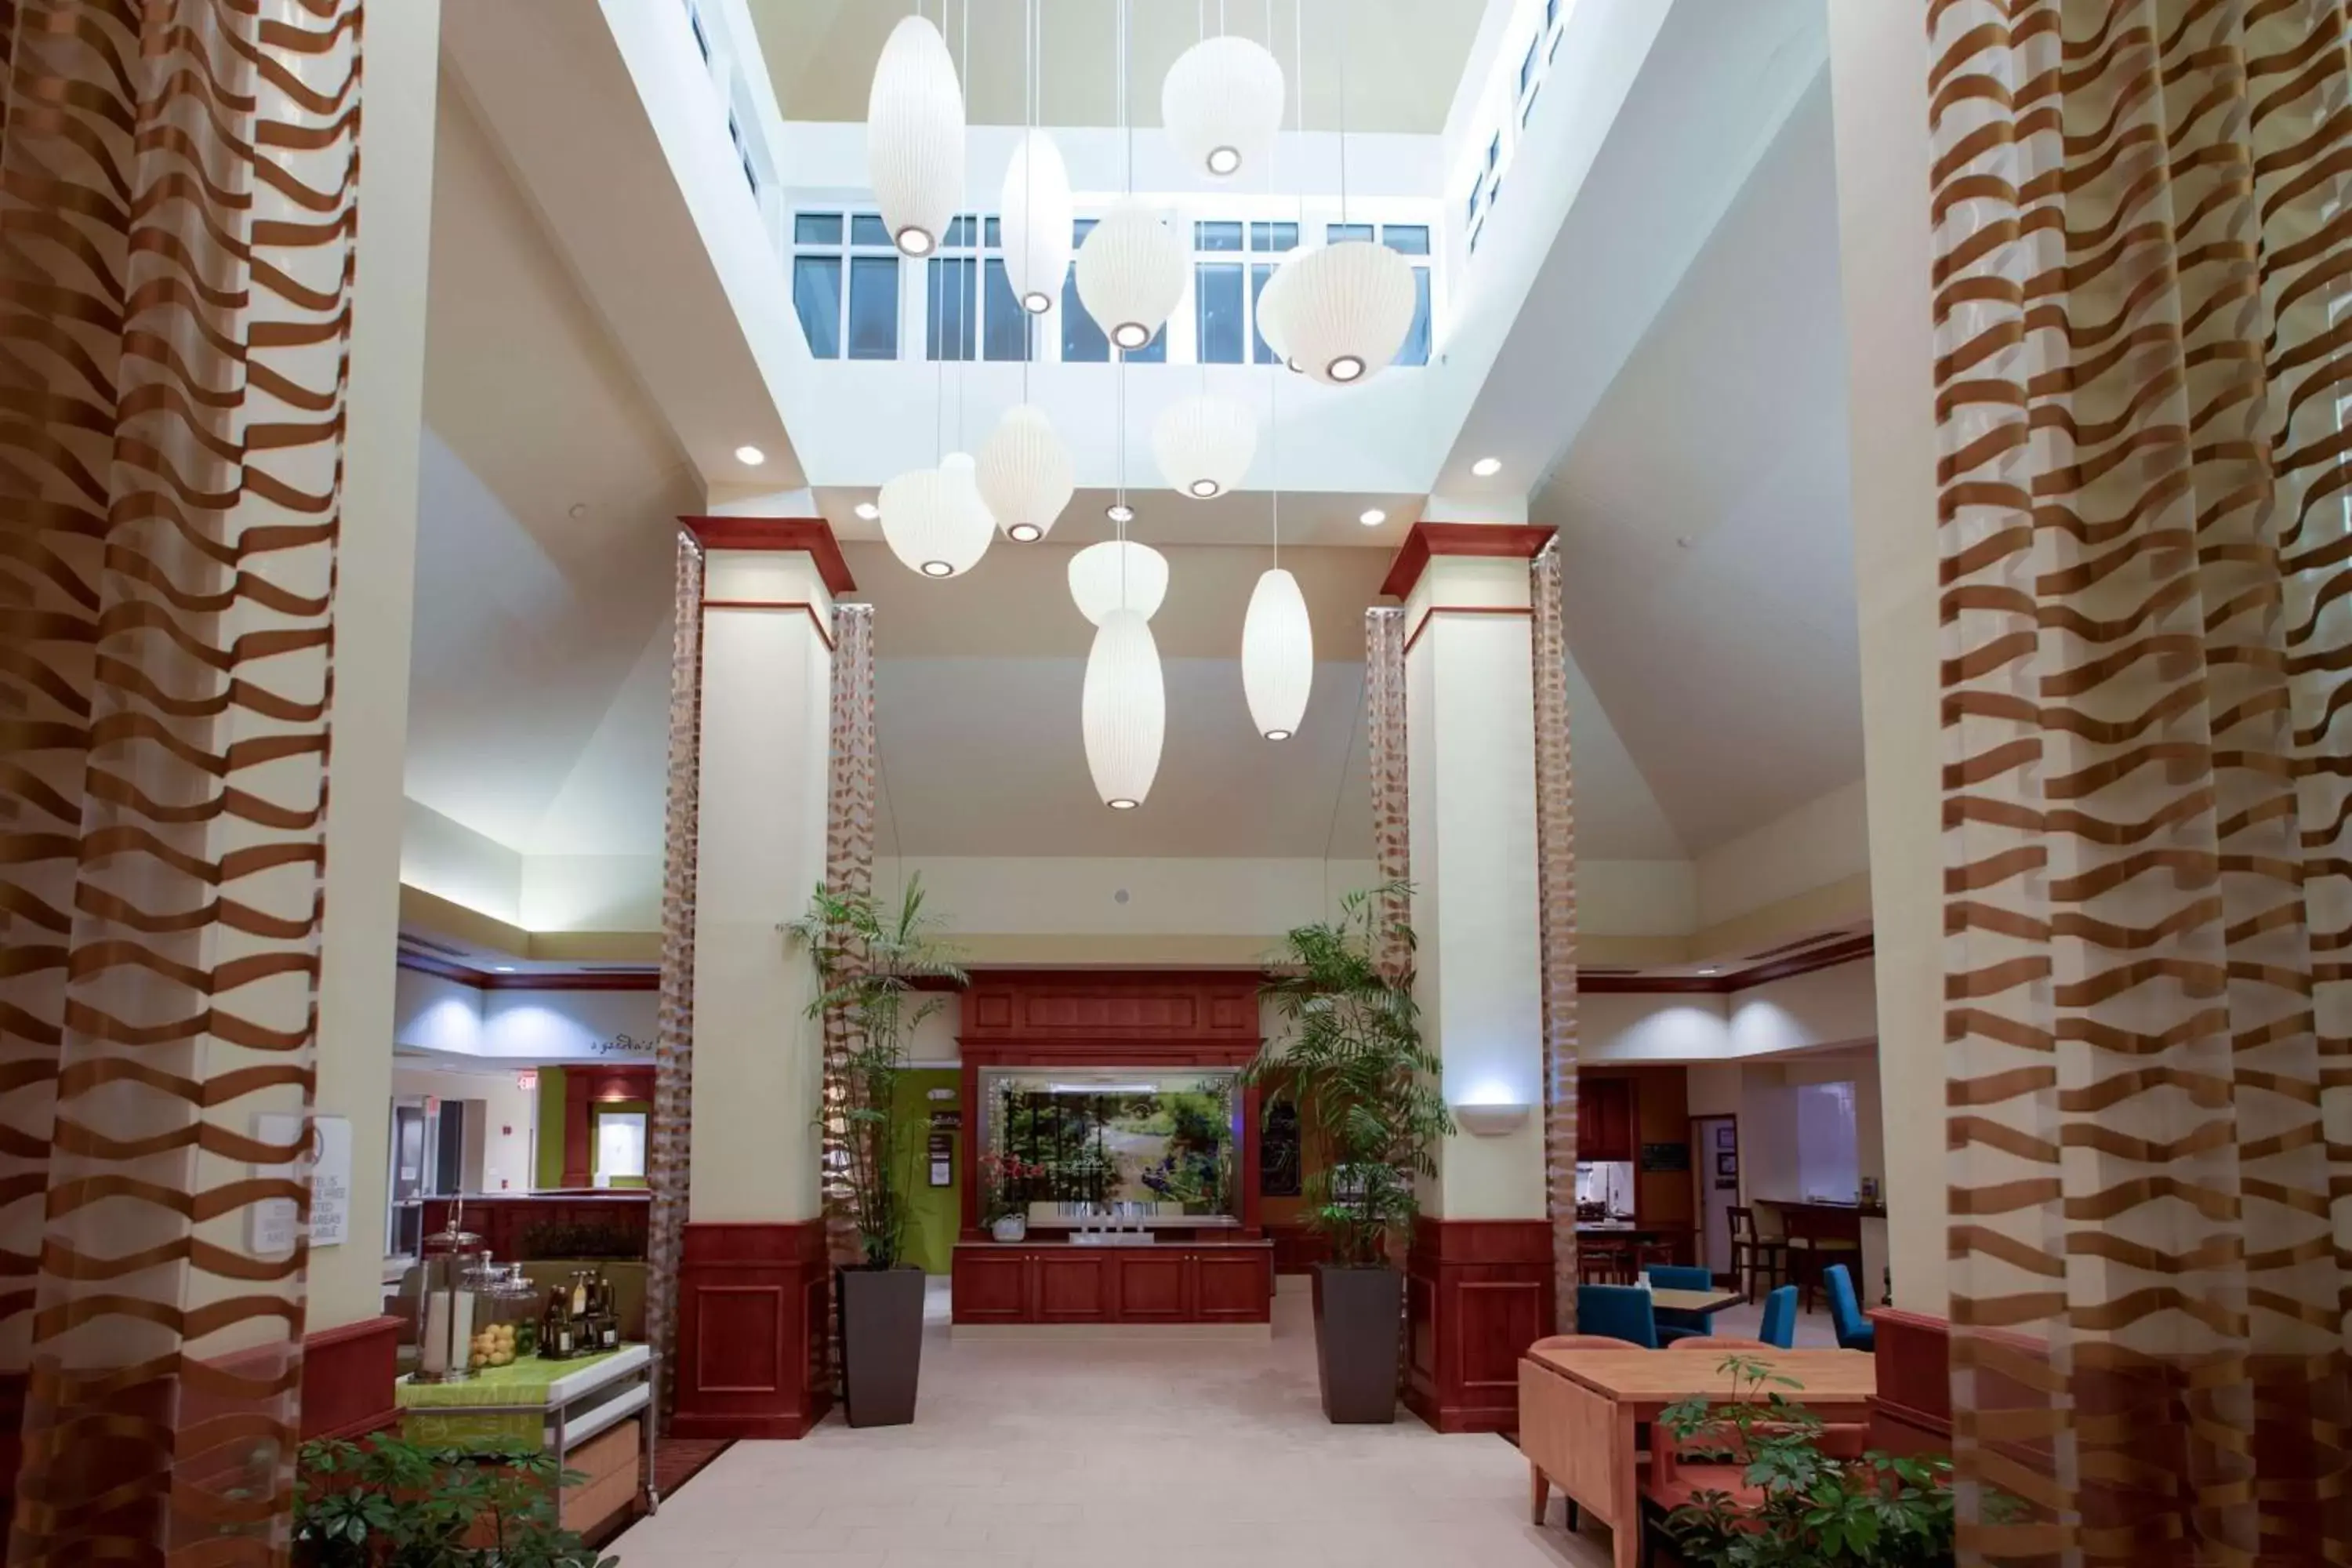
{"x":1479,"y":1273}
{"x":753,"y":1278}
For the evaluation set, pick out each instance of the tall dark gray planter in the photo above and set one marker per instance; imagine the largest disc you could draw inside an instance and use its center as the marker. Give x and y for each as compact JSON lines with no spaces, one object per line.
{"x":881,"y":1343}
{"x":1359,"y":1343}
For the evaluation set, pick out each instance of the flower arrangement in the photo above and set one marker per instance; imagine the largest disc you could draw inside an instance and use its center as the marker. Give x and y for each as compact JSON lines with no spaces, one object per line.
{"x":1004,"y":1183}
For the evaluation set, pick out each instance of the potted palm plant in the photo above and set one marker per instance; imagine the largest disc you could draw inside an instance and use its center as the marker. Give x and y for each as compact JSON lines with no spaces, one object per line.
{"x":871,"y":963}
{"x":1369,"y":1106}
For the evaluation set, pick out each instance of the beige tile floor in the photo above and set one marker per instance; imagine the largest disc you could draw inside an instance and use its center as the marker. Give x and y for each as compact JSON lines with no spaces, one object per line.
{"x":1143,"y":1454}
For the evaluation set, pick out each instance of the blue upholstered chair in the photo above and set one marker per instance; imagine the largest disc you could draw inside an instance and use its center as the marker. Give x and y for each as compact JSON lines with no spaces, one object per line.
{"x":1854,"y":1332}
{"x":1781,"y":1318}
{"x":1620,"y":1311}
{"x":1673,"y":1325}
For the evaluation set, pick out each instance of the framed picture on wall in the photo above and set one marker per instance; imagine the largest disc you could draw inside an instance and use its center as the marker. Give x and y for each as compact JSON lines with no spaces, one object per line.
{"x":1727,"y":1164}
{"x":1726,"y":1136}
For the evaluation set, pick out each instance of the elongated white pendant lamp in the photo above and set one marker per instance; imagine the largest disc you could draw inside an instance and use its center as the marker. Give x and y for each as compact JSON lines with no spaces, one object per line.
{"x":914,"y":136}
{"x":1222,"y":103}
{"x":933,"y":518}
{"x":1124,"y":710}
{"x":1205,"y":445}
{"x":1025,"y":473}
{"x":1269,"y":305}
{"x":1130,"y":272}
{"x":1346,"y":313}
{"x":1277,"y":655}
{"x":1035,"y":208}
{"x":1115,"y":574}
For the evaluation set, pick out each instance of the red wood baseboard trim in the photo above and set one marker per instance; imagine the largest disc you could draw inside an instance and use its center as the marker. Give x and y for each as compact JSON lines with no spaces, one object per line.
{"x":347,"y":1373}
{"x":752,"y":1301}
{"x":1479,"y":1292}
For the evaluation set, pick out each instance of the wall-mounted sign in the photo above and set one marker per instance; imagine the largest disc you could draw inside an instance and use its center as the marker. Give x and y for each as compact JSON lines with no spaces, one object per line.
{"x":527,"y":1078}
{"x":942,"y":1159}
{"x":947,"y":1121}
{"x":1657,"y":1157}
{"x":623,"y":1045}
{"x":274,"y":1221}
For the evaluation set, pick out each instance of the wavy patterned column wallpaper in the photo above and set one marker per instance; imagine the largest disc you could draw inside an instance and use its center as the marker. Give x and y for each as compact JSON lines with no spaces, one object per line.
{"x":2142,"y":312}
{"x":177,"y":202}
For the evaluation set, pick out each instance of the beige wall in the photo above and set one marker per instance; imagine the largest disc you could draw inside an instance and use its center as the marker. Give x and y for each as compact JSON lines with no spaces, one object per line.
{"x":1878,"y":72}
{"x":1835,"y":1006}
{"x":1820,"y":842}
{"x":375,"y":580}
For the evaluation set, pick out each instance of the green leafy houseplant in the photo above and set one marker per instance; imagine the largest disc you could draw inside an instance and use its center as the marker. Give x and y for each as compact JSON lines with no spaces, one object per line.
{"x":1808,"y":1508}
{"x":1354,"y":1065}
{"x":385,"y":1504}
{"x":869,"y":961}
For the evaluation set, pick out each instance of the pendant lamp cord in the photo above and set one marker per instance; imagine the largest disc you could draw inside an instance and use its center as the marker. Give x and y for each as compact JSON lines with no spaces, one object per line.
{"x":969,"y":302}
{"x":1273,"y":372}
{"x":1343,"y":111}
{"x":1030,"y":49}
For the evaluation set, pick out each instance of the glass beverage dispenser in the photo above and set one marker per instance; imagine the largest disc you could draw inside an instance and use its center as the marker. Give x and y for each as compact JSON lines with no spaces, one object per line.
{"x":451,"y":1258}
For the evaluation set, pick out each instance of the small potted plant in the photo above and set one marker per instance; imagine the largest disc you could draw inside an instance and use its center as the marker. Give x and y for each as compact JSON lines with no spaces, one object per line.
{"x":1366,"y":1090}
{"x":869,"y":965}
{"x":1004,"y":1178}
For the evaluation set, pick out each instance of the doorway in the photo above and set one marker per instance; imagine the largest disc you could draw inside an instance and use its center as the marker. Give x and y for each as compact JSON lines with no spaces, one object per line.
{"x":1716,"y":1139}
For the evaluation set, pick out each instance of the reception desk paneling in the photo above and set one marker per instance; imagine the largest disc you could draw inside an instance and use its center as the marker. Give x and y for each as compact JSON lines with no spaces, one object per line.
{"x":1061,"y":1282}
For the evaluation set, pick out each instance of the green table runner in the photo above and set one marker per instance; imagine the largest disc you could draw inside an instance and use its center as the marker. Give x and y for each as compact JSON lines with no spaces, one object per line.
{"x":525,"y":1380}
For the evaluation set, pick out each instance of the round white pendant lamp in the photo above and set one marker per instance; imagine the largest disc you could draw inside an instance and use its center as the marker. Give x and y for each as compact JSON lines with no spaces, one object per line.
{"x":1117,"y":574}
{"x":1222,"y":103}
{"x":1025,"y":474}
{"x":1346,"y":313}
{"x":1205,"y":445}
{"x":1036,"y":209}
{"x":934,"y":520}
{"x":1131,"y":273}
{"x":1124,"y":710}
{"x":1269,"y":304}
{"x":914,"y":136}
{"x":1277,"y":655}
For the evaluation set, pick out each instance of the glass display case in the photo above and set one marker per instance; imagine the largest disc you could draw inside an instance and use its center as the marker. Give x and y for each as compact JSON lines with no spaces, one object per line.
{"x":1070,"y":1146}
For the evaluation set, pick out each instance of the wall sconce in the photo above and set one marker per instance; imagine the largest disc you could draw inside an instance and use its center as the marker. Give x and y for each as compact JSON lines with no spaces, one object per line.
{"x":1491,"y":1120}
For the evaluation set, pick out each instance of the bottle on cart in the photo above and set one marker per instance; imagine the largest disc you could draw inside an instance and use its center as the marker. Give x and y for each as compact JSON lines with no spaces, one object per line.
{"x":610,"y":1325}
{"x":556,"y":1341}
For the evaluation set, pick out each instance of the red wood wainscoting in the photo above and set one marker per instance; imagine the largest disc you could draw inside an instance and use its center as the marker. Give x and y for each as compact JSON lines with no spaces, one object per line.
{"x":1479,"y":1292}
{"x":1912,"y":1411}
{"x":1165,"y":1282}
{"x":347,"y":1379}
{"x":504,"y":1219}
{"x":751,"y":1306}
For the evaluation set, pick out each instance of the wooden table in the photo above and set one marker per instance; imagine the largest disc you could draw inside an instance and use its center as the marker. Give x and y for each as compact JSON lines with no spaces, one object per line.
{"x":1580,"y":1412}
{"x":1712,"y":1300}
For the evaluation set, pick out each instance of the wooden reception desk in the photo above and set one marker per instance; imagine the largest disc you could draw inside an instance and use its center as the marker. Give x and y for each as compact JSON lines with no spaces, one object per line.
{"x":1051,"y":1281}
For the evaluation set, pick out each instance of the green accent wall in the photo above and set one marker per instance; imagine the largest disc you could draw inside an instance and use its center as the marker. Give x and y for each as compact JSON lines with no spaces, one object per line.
{"x":936,"y":1213}
{"x":550,"y":1171}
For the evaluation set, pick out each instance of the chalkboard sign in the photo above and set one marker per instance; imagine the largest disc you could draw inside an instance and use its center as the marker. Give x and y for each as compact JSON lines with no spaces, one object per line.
{"x":1665,"y":1157}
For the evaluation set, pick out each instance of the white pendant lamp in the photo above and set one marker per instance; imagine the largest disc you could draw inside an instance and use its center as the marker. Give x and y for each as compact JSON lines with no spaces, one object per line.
{"x":1346,"y":313}
{"x":1124,"y":710}
{"x":1269,"y":304}
{"x":1277,"y":655}
{"x":1025,"y":473}
{"x":1117,"y":574}
{"x":1036,"y":209}
{"x":1222,"y":103}
{"x":914,"y":136}
{"x":934,"y":520}
{"x":1131,"y":273}
{"x":1205,"y":445}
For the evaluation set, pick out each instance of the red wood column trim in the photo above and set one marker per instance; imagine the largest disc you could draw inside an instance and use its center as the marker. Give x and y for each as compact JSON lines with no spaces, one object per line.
{"x":347,"y":1373}
{"x":575,"y":1128}
{"x":752,"y":1302}
{"x":1479,"y":1292}
{"x":968,"y":1149}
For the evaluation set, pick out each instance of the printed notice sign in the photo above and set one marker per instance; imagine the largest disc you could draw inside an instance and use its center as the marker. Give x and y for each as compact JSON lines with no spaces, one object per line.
{"x":326,"y":1167}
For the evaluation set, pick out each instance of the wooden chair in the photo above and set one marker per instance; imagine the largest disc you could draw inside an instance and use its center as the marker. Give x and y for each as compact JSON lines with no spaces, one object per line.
{"x":1651,"y":1251}
{"x":1583,"y":1342}
{"x":1717,"y":1342}
{"x":1755,"y":1257}
{"x":1604,"y":1261}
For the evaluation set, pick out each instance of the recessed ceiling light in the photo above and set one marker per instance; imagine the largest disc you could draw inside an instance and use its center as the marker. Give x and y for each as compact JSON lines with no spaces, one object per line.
{"x":1120,"y":512}
{"x":1373,"y":517}
{"x":1709,"y":970}
{"x":1487,"y":468}
{"x":750,"y":456}
{"x":506,"y":969}
{"x":577,"y":508}
{"x":869,"y":510}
